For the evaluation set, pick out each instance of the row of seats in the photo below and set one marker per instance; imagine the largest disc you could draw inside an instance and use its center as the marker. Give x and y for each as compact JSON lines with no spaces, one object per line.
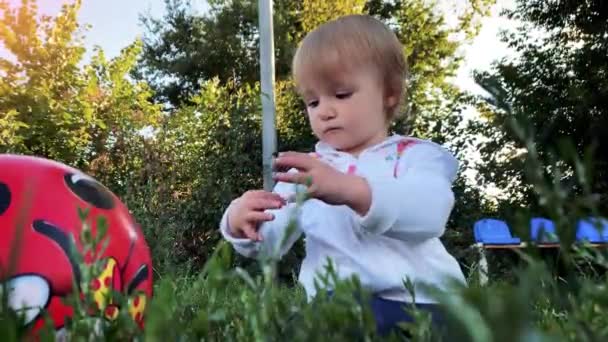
{"x":497,"y":232}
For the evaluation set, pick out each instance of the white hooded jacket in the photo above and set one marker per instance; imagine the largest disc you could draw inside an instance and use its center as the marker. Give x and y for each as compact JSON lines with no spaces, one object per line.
{"x":411,"y":199}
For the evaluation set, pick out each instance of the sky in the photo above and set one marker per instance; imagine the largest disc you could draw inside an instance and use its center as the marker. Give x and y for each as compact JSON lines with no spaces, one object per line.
{"x":486,"y":48}
{"x":115,"y":24}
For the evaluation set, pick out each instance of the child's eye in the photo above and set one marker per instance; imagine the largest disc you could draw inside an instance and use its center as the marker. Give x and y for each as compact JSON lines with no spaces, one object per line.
{"x":313,"y":103}
{"x":343,"y":95}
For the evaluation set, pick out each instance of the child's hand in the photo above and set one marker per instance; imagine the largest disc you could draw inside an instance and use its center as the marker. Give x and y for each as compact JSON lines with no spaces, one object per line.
{"x":247,"y":213}
{"x":323,"y":181}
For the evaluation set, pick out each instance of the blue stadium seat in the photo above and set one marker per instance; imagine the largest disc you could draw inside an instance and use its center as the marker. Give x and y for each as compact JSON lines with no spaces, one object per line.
{"x":494,"y":232}
{"x":542,"y":230}
{"x":587,"y":230}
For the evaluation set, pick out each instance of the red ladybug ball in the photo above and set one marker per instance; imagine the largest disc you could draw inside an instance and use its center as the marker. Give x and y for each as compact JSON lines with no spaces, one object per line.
{"x":39,"y":203}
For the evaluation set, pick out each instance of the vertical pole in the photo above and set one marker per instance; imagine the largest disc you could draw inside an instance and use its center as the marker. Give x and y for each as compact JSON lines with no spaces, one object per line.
{"x":483,"y":265}
{"x":269,"y":136}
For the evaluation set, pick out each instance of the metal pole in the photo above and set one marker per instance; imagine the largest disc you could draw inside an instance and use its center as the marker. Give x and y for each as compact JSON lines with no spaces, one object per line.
{"x":483,"y":265}
{"x":269,"y":135}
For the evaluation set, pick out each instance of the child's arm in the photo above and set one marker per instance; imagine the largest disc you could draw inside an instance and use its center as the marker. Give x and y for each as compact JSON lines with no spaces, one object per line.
{"x":416,"y":205}
{"x":272,"y":232}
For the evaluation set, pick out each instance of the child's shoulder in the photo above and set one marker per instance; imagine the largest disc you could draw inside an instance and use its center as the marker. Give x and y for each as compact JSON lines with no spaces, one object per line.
{"x":421,"y":152}
{"x":403,"y":143}
{"x":427,"y":145}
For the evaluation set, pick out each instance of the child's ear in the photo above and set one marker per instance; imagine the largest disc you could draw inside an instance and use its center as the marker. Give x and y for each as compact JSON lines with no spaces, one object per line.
{"x":390,"y":101}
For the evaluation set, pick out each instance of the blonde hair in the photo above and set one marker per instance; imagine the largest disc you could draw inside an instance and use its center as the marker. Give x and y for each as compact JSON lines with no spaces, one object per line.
{"x":352,"y":41}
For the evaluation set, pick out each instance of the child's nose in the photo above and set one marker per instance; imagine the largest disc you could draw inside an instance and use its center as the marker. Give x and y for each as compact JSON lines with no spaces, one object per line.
{"x":326,"y":112}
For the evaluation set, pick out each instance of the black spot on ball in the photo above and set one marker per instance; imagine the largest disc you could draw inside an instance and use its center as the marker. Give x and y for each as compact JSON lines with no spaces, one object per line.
{"x":62,"y":239}
{"x":89,"y":191}
{"x":140,"y":276}
{"x":5,"y":198}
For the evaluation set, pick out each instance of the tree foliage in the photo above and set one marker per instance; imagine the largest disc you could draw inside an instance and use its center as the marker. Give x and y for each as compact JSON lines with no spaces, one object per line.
{"x":183,"y":48}
{"x":557,"y":83}
{"x":51,"y":106}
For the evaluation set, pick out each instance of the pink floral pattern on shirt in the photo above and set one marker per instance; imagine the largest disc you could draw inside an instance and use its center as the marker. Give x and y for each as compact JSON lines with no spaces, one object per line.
{"x":401,"y":147}
{"x":392,"y":155}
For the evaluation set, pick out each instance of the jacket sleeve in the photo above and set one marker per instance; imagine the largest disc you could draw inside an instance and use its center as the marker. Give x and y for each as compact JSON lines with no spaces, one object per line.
{"x":278,"y":235}
{"x":417,"y":203}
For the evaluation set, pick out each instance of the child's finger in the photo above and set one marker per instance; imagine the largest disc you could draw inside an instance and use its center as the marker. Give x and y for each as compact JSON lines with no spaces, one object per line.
{"x":275,"y":166}
{"x":251,"y":233}
{"x":288,"y":160}
{"x":279,"y":168}
{"x":262,"y":194}
{"x":258,"y":216}
{"x":263,"y":204}
{"x":272,"y":197}
{"x":294,"y":178}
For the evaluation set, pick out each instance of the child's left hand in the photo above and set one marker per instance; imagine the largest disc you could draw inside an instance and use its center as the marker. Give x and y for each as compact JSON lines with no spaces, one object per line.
{"x":323,"y":181}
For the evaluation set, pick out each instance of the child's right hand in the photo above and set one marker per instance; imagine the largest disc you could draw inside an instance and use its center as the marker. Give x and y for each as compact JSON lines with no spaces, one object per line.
{"x":247,"y":212}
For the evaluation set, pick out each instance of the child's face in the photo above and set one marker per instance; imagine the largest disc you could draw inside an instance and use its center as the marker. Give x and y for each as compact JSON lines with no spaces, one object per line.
{"x":348,"y":114}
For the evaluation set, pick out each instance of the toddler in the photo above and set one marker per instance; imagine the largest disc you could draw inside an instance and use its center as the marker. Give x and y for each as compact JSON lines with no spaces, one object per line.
{"x":378,"y":202}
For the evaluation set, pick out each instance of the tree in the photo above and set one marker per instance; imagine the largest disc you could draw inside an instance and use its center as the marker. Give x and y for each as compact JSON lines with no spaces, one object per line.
{"x":184,"y":48}
{"x":557,"y":84}
{"x":195,"y":165}
{"x":52,"y":107}
{"x":44,"y":72}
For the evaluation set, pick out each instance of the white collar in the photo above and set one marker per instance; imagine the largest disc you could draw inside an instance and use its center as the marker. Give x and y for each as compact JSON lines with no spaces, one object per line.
{"x":323,"y":148}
